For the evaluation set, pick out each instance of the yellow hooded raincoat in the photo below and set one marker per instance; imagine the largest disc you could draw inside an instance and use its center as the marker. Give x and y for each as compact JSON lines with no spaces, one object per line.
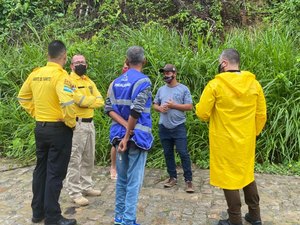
{"x":235,"y":106}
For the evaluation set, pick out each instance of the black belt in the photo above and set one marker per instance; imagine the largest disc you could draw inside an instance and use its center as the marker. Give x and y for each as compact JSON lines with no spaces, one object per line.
{"x":130,"y":144}
{"x":50,"y":124}
{"x":84,"y":120}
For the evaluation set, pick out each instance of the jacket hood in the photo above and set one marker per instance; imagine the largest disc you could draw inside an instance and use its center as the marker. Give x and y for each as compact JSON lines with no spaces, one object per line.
{"x":238,"y":82}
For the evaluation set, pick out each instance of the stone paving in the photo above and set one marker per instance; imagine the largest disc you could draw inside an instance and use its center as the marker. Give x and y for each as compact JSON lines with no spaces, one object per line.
{"x":280,"y":199}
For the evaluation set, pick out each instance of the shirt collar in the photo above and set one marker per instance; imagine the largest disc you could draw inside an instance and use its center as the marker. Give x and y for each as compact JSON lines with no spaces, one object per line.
{"x":54,"y":64}
{"x":75,"y":76}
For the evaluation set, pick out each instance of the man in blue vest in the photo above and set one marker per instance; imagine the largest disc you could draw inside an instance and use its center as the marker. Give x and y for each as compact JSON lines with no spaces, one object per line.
{"x":128,"y":104}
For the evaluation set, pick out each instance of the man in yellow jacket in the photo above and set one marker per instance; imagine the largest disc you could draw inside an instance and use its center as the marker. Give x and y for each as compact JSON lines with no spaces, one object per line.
{"x":234,"y":104}
{"x":87,"y":98}
{"x":47,"y":96}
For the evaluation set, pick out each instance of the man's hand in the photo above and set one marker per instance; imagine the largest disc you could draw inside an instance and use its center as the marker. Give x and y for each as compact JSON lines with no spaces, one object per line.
{"x":163,"y":108}
{"x":170,"y":104}
{"x":123,"y":145}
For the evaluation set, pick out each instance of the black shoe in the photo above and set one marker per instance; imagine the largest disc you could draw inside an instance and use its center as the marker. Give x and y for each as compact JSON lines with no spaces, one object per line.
{"x":249,"y":219}
{"x":37,"y":219}
{"x":227,"y":222}
{"x":65,"y":221}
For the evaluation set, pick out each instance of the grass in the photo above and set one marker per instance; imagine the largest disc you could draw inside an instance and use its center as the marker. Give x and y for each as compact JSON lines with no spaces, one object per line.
{"x":280,"y":169}
{"x":272,"y":53}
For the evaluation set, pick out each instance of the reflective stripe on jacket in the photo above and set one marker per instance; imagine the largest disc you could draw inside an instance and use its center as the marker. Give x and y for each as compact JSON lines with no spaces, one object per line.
{"x":86,"y":96}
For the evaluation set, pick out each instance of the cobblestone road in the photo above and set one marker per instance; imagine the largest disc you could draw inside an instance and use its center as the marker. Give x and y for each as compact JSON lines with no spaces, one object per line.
{"x":280,"y":200}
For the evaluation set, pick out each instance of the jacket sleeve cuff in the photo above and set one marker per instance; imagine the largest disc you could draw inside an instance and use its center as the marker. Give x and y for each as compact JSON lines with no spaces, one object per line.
{"x":135,"y":114}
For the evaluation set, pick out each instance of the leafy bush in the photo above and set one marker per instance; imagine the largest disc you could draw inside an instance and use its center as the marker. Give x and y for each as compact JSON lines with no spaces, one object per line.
{"x":268,"y":52}
{"x":271,"y":52}
{"x":15,"y":15}
{"x":285,"y":14}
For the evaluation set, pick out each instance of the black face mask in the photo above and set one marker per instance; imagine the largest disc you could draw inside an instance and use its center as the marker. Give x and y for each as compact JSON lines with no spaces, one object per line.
{"x":80,"y":69}
{"x":220,"y":68}
{"x":168,"y":79}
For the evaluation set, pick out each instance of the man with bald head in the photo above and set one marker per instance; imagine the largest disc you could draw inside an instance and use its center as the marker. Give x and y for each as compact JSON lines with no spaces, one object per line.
{"x":86,"y":97}
{"x":234,"y":104}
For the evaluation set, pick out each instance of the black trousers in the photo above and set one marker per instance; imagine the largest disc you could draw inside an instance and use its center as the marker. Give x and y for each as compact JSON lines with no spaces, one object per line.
{"x":234,"y":203}
{"x":53,"y":150}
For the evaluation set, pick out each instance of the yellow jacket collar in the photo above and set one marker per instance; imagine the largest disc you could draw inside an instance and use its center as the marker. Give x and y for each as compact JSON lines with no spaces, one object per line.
{"x":239,"y":83}
{"x":75,"y":76}
{"x":53,"y":64}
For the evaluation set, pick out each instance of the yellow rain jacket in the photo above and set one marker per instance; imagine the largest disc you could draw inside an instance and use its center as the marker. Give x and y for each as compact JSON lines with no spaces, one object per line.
{"x":86,"y":96}
{"x":47,"y":95}
{"x":235,"y":106}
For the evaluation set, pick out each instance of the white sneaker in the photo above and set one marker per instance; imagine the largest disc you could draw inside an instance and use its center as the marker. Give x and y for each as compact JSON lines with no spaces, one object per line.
{"x":82,"y":201}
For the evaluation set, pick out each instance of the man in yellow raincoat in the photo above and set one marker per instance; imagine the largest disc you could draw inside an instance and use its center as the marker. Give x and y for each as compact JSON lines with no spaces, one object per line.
{"x":234,"y":104}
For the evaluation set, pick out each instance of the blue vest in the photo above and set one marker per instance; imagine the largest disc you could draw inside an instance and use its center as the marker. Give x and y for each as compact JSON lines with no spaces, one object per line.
{"x":123,"y":92}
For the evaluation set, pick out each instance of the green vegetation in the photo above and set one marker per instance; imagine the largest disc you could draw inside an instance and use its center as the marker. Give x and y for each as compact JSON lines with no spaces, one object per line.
{"x":170,"y":33}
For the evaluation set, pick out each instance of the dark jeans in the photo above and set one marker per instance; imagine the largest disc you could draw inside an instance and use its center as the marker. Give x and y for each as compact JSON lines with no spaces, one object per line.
{"x":234,"y":203}
{"x":176,"y":137}
{"x":53,"y":150}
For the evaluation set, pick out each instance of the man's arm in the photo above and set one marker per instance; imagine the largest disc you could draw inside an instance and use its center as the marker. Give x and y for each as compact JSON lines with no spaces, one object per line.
{"x":129,"y":131}
{"x":261,"y":111}
{"x":185,"y":105}
{"x":110,"y":111}
{"x":206,"y":103}
{"x":92,"y":101}
{"x":181,"y":107}
{"x":117,"y":118}
{"x":160,"y":108}
{"x":157,"y":106}
{"x":65,"y":96}
{"x":25,"y":98}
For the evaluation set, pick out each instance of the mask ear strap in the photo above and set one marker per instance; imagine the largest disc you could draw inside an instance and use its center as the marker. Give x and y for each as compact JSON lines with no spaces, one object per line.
{"x":233,"y":71}
{"x":220,"y":68}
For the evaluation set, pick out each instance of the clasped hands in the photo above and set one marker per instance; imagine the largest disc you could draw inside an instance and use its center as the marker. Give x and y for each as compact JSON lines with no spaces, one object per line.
{"x":166,"y":106}
{"x":123,"y":143}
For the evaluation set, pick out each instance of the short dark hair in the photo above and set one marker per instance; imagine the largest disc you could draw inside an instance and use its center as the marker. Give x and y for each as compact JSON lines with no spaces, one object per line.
{"x":135,"y":55}
{"x":232,"y":55}
{"x":56,"y":48}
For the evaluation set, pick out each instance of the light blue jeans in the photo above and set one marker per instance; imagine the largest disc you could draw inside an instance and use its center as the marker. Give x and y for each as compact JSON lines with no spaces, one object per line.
{"x":130,"y":170}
